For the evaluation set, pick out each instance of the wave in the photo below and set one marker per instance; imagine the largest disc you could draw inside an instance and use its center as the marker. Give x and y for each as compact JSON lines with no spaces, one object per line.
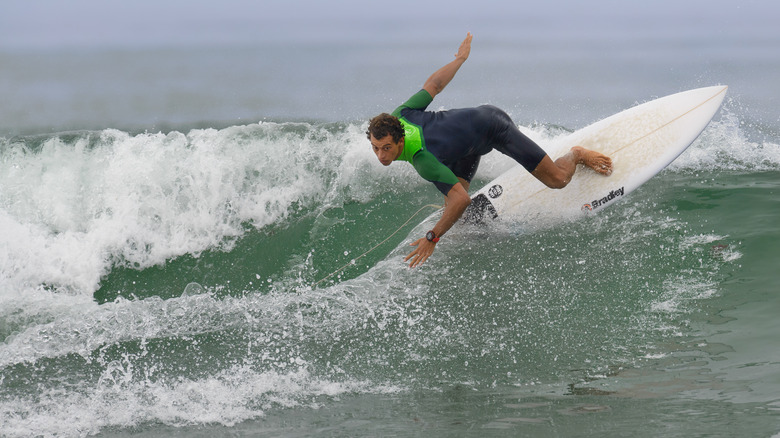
{"x":78,"y":208}
{"x":74,"y":206}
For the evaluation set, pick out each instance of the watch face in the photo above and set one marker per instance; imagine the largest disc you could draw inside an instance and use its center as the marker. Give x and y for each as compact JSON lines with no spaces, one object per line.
{"x":430,"y":236}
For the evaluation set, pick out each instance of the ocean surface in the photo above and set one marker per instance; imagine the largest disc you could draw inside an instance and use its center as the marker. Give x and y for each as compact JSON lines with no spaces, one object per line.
{"x":170,"y":218}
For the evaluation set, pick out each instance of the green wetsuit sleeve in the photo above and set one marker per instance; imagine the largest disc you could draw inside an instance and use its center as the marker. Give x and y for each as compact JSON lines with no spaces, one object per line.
{"x":432,"y":170}
{"x":419,"y":101}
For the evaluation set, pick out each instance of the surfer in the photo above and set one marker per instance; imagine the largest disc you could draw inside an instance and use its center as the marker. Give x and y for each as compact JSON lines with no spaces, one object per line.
{"x":445,"y":147}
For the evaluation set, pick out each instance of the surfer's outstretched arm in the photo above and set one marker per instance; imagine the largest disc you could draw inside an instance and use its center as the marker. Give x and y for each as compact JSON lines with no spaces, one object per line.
{"x":441,"y":77}
{"x":456,"y":203}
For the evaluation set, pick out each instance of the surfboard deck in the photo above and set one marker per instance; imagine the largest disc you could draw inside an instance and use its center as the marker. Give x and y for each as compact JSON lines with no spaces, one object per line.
{"x":641,"y":141}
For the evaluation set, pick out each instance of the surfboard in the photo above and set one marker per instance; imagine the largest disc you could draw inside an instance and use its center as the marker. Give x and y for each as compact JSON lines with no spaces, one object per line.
{"x":641,"y":141}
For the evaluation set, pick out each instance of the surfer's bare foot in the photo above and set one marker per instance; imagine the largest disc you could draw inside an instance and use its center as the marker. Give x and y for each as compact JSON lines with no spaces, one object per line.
{"x":597,"y":161}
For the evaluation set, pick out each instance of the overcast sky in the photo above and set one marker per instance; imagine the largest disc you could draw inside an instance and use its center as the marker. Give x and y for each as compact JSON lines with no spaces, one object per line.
{"x":28,"y":24}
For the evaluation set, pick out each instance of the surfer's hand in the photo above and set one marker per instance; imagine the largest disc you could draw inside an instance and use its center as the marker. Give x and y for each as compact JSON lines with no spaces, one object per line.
{"x":424,"y":250}
{"x":465,"y":48}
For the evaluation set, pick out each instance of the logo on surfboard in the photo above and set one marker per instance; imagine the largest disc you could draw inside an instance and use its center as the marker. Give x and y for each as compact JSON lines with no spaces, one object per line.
{"x":596,"y":203}
{"x":495,"y":191}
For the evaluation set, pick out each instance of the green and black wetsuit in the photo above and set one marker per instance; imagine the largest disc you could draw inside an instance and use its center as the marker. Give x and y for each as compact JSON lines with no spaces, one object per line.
{"x":445,"y":145}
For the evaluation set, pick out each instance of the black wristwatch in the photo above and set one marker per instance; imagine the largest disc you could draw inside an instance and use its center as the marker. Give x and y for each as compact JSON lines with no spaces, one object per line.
{"x":431,"y":236}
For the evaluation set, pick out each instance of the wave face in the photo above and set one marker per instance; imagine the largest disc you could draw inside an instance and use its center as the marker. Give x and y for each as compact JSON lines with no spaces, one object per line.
{"x":171,"y":278}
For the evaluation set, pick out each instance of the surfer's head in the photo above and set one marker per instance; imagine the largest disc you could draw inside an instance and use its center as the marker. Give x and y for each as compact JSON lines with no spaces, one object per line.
{"x":387,"y":137}
{"x":384,"y":125}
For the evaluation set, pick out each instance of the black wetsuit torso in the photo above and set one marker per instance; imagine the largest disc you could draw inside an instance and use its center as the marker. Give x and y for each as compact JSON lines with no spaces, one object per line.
{"x":457,"y":139}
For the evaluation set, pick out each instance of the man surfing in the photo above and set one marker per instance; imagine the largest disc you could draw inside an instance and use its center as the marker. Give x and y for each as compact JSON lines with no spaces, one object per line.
{"x":445,"y":147}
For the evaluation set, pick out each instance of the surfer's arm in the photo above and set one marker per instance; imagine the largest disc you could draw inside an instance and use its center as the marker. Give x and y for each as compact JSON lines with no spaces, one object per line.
{"x":439,"y":79}
{"x":456,"y":203}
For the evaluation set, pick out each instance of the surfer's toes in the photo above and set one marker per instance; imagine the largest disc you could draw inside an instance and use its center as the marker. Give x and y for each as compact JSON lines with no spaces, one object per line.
{"x":604,"y":166}
{"x":597,"y":161}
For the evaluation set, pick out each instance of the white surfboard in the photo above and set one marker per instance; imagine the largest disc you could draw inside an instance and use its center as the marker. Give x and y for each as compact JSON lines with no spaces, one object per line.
{"x":641,"y":141}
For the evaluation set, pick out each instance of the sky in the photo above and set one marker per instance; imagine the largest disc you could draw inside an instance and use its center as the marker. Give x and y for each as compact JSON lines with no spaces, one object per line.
{"x":719,"y":33}
{"x":57,"y":24}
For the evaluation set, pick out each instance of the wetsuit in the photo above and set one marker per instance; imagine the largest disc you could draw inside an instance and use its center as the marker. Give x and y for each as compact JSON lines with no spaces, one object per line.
{"x":445,"y":145}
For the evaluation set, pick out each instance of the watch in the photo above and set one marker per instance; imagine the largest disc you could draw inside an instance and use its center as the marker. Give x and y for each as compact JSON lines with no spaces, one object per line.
{"x":431,"y":236}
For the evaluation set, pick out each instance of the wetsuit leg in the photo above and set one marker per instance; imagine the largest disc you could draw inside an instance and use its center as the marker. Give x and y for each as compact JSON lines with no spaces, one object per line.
{"x":466,"y":167}
{"x":507,"y":139}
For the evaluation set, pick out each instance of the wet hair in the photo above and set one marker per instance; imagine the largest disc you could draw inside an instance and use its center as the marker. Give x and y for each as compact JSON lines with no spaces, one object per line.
{"x":384,"y":125}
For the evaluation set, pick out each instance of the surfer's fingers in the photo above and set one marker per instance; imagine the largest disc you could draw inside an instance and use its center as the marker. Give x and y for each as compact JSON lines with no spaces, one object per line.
{"x":465,"y":47}
{"x":419,"y":260}
{"x":416,"y":250}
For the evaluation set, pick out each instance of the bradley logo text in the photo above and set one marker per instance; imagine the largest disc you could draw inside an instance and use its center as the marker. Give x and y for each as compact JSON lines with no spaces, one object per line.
{"x":612,"y":195}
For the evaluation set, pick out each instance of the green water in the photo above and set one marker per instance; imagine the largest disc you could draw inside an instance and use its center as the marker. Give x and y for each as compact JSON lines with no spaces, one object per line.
{"x":636,"y":322}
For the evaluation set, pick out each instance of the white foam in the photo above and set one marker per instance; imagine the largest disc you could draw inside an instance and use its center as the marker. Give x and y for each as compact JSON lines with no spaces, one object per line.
{"x":724,"y":145}
{"x":71,"y":210}
{"x":234,"y":395}
{"x":128,"y":392}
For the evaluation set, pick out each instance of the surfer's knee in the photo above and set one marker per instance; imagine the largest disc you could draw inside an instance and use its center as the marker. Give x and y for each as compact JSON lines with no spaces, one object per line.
{"x":551,"y":174}
{"x":557,"y":182}
{"x":553,"y":180}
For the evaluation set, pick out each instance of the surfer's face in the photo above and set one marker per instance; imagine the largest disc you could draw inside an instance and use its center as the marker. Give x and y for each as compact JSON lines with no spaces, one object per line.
{"x":386,"y":149}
